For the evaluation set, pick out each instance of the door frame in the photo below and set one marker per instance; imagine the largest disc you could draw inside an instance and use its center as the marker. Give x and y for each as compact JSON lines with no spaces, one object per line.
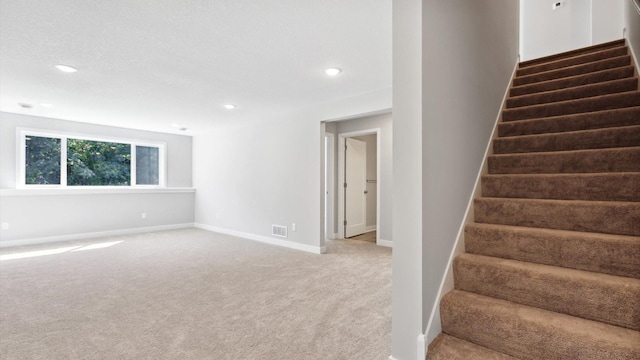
{"x":329,"y":185}
{"x":341,"y":176}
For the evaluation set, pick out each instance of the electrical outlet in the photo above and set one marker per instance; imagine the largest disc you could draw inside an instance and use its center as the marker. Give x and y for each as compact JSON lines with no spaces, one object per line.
{"x":143,"y":216}
{"x":293,"y":227}
{"x":5,"y":226}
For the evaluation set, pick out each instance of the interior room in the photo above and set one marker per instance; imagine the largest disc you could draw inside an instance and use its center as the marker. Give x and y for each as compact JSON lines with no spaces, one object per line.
{"x":301,"y":179}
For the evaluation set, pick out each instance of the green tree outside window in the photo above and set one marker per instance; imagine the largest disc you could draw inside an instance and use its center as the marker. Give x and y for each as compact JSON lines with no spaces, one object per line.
{"x":98,"y":163}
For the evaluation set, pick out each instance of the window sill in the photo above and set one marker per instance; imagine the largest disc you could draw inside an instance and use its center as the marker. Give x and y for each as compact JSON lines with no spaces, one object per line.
{"x":92,"y":191}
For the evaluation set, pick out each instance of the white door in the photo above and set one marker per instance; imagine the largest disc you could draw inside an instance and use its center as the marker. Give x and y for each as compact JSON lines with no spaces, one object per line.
{"x":355,"y":195}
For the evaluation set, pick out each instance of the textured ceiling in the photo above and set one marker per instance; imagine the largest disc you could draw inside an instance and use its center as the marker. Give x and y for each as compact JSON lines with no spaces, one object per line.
{"x":149,"y":63}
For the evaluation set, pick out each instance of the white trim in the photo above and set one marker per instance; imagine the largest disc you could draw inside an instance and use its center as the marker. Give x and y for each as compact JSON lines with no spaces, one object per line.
{"x":334,"y":236}
{"x":371,"y":228}
{"x":341,"y":142}
{"x":433,"y":325}
{"x":81,"y":236}
{"x":422,"y":347}
{"x":264,"y":239}
{"x":633,"y":54}
{"x":387,"y":243}
{"x":392,"y":358}
{"x":521,"y":29}
{"x":92,"y":190}
{"x":330,"y":139}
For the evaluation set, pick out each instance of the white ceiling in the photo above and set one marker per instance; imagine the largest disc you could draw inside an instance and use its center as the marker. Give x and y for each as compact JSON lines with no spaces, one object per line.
{"x":146,"y":64}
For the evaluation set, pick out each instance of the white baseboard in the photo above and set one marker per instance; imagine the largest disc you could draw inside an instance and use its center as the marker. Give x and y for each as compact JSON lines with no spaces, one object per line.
{"x":392,"y":358}
{"x":371,"y":228}
{"x":264,"y":239}
{"x":335,"y":236}
{"x":92,"y":235}
{"x":422,"y":347}
{"x":387,"y":243}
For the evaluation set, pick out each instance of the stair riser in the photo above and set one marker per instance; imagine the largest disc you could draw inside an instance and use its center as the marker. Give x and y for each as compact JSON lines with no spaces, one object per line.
{"x":576,"y":60}
{"x":585,"y":161}
{"x":607,"y":254}
{"x":601,"y":217}
{"x":589,"y":187}
{"x":611,"y":87}
{"x":573,"y":71}
{"x":579,"y":106}
{"x":580,"y":80}
{"x":596,"y":120}
{"x":595,"y":139}
{"x":450,"y":348}
{"x":573,"y":53}
{"x":530,"y":333}
{"x":609,"y":299}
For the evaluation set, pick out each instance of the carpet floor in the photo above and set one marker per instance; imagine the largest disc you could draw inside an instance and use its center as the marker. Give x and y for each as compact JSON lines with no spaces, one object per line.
{"x":194,"y":294}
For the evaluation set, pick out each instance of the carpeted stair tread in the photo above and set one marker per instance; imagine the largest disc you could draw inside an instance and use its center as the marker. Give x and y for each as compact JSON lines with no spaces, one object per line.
{"x":577,"y":92}
{"x":606,"y":298}
{"x":445,"y":347}
{"x":530,"y":333}
{"x":573,"y":53}
{"x":574,"y":122}
{"x":584,"y":105}
{"x":604,"y":253}
{"x":624,"y":136}
{"x":610,"y":63}
{"x":551,"y":268}
{"x":608,"y":217}
{"x":574,"y":60}
{"x":577,"y":80}
{"x":589,"y":186}
{"x":574,"y":161}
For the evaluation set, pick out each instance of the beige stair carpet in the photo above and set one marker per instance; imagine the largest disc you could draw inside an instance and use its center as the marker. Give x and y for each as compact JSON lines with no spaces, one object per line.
{"x":552,"y":262}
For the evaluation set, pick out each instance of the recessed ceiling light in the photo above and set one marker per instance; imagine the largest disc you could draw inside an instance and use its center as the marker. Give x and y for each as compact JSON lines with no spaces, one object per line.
{"x":229,"y":106}
{"x":46,"y":105}
{"x":183,"y":129}
{"x":25,"y":105}
{"x":66,"y":68}
{"x":333,"y":71}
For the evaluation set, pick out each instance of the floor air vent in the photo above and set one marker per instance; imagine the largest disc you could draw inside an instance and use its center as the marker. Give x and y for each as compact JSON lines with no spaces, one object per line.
{"x":279,"y":230}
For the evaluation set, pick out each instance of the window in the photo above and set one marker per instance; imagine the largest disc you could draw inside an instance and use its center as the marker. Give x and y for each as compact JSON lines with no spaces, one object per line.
{"x":89,"y":161}
{"x":98,"y":163}
{"x":42,"y":160}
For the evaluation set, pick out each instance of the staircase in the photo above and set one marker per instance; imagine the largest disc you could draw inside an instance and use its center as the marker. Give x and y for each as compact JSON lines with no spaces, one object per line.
{"x":552,"y":262}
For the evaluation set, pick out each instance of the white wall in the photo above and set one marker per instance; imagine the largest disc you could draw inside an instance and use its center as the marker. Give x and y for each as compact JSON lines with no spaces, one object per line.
{"x":465,"y":76}
{"x":372,"y":175}
{"x":546,"y":31}
{"x":407,"y":178}
{"x":385,"y":123}
{"x":40,"y":217}
{"x":253,"y":174}
{"x":632,"y":24}
{"x":576,"y":24}
{"x":607,"y":20}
